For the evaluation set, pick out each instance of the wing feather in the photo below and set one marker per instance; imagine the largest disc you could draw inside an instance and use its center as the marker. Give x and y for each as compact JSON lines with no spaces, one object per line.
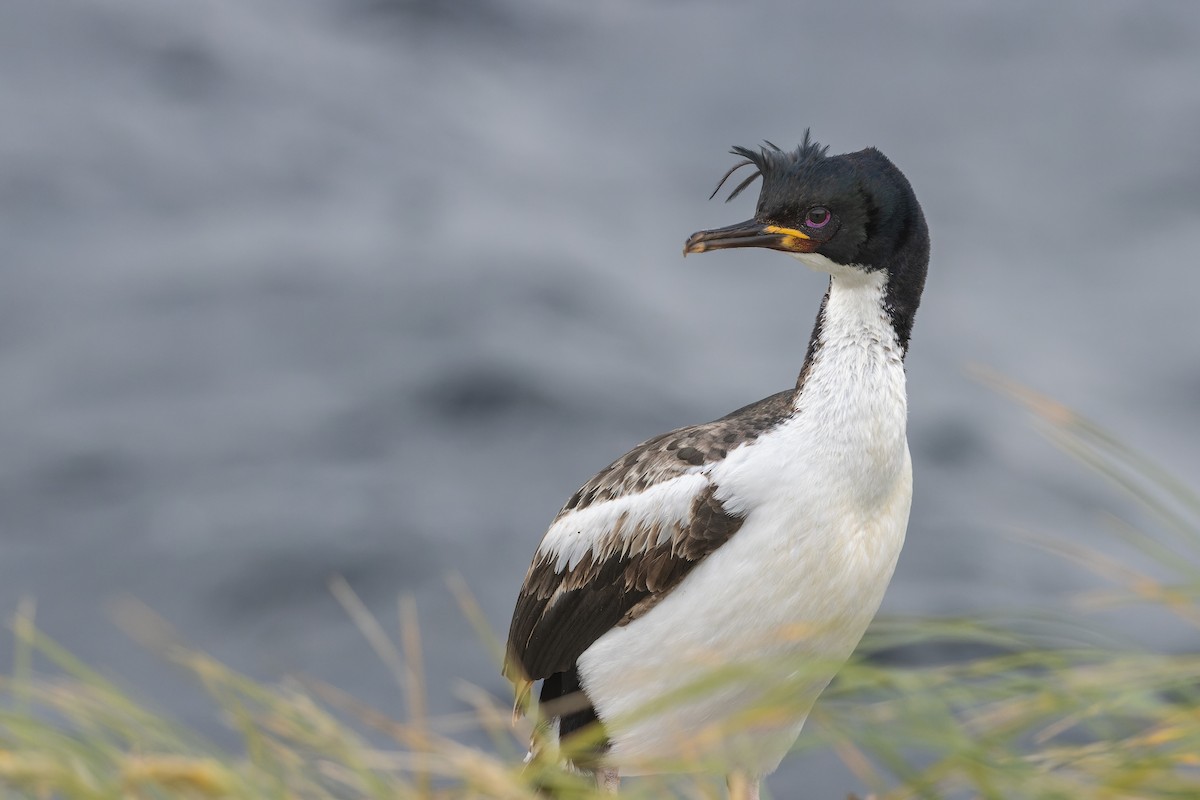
{"x":561,"y":611}
{"x":627,"y":538}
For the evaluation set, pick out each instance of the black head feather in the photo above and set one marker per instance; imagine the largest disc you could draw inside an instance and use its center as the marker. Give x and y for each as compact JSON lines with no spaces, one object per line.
{"x":769,"y":159}
{"x":875,"y":221}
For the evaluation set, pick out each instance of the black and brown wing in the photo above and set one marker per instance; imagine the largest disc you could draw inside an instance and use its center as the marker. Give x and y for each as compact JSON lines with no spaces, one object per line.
{"x":632,"y":559}
{"x":620,"y":545}
{"x":561,"y":611}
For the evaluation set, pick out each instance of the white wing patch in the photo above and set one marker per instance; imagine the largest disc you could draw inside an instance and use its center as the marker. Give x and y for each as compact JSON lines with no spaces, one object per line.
{"x":611,"y":526}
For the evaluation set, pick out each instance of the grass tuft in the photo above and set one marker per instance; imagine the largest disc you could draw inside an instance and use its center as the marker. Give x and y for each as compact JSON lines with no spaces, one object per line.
{"x":1040,"y":707}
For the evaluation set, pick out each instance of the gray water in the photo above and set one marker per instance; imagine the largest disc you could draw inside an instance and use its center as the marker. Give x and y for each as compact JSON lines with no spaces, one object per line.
{"x":295,"y":288}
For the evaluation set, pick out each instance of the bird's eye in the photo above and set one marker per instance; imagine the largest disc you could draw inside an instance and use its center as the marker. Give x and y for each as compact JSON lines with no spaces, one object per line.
{"x":817,"y":217}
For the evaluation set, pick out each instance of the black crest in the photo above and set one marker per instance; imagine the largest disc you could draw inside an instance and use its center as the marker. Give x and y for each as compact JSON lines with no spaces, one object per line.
{"x":770,"y":158}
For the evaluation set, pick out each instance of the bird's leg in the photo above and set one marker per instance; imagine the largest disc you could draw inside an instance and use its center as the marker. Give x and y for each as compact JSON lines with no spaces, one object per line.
{"x":608,"y":780}
{"x":742,"y":786}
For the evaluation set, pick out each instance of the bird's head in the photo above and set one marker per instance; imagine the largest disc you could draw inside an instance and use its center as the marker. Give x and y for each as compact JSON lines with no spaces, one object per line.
{"x":845,"y":214}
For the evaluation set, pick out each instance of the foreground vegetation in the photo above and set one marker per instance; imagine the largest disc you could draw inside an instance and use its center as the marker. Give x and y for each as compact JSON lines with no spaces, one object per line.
{"x":1039,"y":708}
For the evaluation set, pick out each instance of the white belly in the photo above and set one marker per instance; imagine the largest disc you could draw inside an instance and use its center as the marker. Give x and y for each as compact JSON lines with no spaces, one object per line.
{"x":763,"y":624}
{"x":734,"y":658}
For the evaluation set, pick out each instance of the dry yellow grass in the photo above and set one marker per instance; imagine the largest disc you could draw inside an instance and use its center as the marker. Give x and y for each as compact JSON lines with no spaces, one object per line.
{"x":1049,"y":712}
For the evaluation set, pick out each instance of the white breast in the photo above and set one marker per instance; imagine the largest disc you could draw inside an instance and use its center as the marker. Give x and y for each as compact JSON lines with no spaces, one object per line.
{"x":826,"y":498}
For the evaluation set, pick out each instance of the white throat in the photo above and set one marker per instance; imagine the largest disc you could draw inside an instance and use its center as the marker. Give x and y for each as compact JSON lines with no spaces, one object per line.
{"x":853,"y":396}
{"x":819,"y":263}
{"x":858,"y":353}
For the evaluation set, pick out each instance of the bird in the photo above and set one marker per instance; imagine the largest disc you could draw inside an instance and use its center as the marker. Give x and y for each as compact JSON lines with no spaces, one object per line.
{"x":688,"y":605}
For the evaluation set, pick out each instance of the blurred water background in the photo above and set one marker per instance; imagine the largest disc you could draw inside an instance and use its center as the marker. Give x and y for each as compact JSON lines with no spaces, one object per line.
{"x":295,"y":288}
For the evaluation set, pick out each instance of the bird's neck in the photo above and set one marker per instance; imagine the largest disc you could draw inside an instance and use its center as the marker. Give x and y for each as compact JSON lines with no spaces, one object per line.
{"x":855,"y":337}
{"x":851,"y":405}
